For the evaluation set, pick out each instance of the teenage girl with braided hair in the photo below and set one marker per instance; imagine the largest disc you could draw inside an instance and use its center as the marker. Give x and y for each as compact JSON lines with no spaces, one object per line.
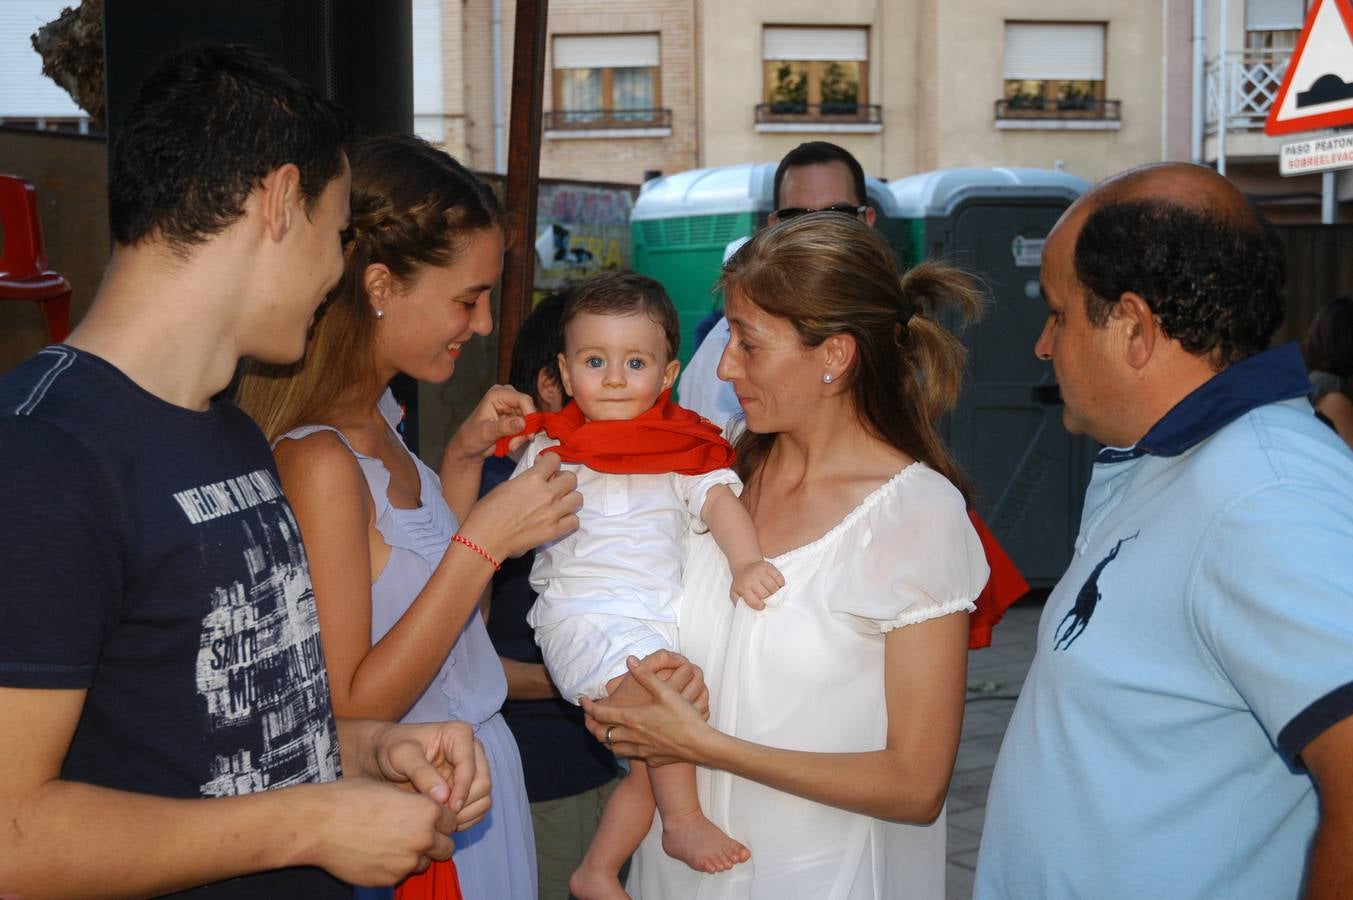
{"x":399,"y":556}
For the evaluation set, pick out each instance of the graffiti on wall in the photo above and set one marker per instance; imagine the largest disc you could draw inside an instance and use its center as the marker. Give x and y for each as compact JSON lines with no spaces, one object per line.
{"x":581,"y":229}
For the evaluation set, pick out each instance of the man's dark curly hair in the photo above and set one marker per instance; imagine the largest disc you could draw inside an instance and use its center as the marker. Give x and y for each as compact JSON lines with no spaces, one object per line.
{"x":1215,"y":282}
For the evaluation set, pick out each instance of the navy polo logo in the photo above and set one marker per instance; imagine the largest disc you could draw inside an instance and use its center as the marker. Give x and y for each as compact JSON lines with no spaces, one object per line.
{"x":1074,"y":622}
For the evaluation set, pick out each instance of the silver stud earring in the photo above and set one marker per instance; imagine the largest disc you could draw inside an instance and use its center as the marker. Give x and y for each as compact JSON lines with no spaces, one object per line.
{"x":380,"y":314}
{"x":827,"y":379}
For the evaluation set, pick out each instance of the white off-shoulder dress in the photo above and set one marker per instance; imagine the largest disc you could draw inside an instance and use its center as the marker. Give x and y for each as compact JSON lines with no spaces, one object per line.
{"x":806,"y":673}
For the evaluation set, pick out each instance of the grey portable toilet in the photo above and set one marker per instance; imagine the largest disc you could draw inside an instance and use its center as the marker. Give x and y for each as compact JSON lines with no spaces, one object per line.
{"x":681,"y":224}
{"x":1028,"y":473}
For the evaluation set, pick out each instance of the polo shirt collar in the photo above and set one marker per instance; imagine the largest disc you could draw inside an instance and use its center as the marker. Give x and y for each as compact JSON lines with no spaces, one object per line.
{"x":1278,"y":373}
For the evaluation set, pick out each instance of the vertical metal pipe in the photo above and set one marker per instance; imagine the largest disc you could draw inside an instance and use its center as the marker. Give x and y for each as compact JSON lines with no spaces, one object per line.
{"x":499,"y":138}
{"x":1199,"y":78}
{"x":1223,"y":88}
{"x":1329,"y":198}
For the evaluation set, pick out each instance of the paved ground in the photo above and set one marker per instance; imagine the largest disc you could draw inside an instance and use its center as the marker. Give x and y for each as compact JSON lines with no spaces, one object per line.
{"x":994,"y":673}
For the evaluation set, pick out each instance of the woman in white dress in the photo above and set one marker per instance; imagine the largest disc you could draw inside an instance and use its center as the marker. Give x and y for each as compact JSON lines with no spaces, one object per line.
{"x":835,"y":713}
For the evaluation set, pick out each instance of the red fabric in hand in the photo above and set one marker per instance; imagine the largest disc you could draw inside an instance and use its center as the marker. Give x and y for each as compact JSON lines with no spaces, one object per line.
{"x":438,"y":881}
{"x":665,"y":438}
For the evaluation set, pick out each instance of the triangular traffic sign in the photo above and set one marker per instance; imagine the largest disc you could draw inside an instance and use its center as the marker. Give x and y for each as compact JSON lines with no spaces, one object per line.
{"x":1317,"y":91}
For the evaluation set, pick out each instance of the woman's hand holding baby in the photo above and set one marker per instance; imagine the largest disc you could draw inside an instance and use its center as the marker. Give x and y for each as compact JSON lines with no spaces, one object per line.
{"x":665,"y":728}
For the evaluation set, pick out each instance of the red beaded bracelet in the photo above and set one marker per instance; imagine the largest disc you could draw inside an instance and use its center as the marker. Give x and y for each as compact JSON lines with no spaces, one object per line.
{"x":462,"y":539}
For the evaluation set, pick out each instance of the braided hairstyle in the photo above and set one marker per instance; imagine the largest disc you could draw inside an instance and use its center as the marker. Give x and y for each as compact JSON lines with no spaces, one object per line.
{"x":413,"y":206}
{"x":827,"y":274}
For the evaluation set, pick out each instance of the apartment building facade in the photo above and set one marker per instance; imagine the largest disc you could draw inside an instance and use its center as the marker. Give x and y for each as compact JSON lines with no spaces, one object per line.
{"x":638,"y":86}
{"x":1089,"y":86}
{"x":621,"y":81}
{"x":1041,"y":83}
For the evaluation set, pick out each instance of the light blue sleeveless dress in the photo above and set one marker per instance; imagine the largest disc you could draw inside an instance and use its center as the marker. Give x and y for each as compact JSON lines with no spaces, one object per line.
{"x":496,"y":860}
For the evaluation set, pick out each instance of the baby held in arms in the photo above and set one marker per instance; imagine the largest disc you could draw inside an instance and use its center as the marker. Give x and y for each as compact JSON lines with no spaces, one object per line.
{"x":648,"y":471}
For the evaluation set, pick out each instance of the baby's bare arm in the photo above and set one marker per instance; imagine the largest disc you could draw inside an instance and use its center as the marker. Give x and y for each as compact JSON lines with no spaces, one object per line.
{"x":754,"y":579}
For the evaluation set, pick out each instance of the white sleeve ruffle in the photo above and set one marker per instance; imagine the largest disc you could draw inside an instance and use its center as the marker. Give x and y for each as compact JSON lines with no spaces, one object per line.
{"x":913,"y":556}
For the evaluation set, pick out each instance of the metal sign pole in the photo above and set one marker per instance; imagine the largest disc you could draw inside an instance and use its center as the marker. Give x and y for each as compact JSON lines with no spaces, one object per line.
{"x":1223,"y":89}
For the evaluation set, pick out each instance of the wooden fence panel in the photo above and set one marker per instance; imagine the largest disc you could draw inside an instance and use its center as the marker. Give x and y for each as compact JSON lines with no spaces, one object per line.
{"x":1319,"y":268}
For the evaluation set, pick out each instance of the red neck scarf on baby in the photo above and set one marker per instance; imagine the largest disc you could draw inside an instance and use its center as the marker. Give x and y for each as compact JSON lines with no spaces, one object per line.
{"x":665,"y":438}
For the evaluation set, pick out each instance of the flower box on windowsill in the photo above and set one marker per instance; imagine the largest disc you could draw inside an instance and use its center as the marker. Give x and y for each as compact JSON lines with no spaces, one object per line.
{"x":1068,"y":114}
{"x":608,"y":123}
{"x":824,"y":117}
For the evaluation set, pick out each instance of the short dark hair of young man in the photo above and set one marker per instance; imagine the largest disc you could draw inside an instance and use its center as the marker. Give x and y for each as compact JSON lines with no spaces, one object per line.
{"x":207,"y":126}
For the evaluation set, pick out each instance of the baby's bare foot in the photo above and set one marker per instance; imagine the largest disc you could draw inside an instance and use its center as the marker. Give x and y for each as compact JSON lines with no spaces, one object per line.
{"x":701,"y":844}
{"x":593,"y":884}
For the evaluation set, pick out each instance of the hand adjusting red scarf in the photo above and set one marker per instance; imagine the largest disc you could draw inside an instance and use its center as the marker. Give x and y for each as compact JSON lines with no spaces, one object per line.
{"x":665,"y":438}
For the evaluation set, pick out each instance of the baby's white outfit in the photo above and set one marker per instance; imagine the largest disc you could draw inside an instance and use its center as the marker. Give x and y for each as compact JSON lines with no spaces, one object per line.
{"x":609,"y":590}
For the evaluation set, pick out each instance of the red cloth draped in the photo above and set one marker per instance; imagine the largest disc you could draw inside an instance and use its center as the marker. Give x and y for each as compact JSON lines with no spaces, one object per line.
{"x":665,"y":438}
{"x":438,"y":881}
{"x":1004,"y":587}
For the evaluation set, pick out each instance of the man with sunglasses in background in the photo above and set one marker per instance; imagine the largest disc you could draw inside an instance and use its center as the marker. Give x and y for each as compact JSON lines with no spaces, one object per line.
{"x":816,"y":177}
{"x":813,"y":177}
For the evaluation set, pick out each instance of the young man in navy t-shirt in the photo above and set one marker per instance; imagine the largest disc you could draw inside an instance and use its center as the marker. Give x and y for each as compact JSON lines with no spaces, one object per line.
{"x":164,"y":707}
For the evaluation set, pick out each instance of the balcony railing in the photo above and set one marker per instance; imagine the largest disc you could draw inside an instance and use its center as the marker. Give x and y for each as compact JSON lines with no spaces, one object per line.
{"x":836,"y":113}
{"x":63,"y":124}
{"x":1038,"y":108}
{"x":1243,"y":86}
{"x":586,"y":119}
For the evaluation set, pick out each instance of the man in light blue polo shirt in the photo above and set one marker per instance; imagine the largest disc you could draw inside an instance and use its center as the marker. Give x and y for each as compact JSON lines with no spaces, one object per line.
{"x":1185,"y":729}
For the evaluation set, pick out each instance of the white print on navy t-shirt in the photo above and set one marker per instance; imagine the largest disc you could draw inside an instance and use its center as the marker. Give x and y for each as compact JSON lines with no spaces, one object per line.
{"x":260,"y":665}
{"x":211,"y":501}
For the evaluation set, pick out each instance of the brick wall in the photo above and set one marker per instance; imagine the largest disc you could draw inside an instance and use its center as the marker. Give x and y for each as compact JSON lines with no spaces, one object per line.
{"x":616,"y":156}
{"x":475,"y":76}
{"x":453,"y":80}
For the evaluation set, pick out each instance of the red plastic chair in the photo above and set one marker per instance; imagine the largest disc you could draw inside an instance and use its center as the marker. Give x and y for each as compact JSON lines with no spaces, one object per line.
{"x":23,"y":259}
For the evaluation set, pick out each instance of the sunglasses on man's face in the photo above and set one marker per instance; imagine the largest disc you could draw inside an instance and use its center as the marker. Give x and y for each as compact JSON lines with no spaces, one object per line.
{"x":849,"y":209}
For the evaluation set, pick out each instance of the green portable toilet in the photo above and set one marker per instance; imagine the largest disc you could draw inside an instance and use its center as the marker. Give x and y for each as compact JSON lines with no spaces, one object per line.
{"x":680,"y":226}
{"x":682,"y":223}
{"x":1029,"y":475}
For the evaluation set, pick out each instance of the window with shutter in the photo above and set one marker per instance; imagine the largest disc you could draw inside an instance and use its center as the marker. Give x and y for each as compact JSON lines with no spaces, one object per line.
{"x":815,"y":74}
{"x":28,"y":98}
{"x":1273,"y":25}
{"x":606,"y":81}
{"x":1055,"y":70}
{"x":429,"y":121}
